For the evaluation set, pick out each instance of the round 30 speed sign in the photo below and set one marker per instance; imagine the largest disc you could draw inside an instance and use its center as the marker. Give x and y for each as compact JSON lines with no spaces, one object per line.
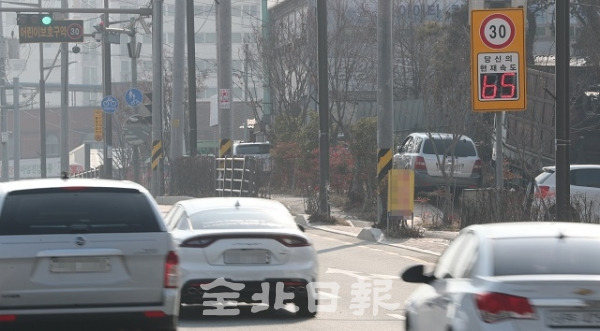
{"x":497,"y":31}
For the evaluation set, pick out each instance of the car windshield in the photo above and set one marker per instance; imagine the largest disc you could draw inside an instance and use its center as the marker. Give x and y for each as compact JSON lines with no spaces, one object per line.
{"x":546,"y":256}
{"x":240,"y":219}
{"x":76,"y":210}
{"x":463,"y":147}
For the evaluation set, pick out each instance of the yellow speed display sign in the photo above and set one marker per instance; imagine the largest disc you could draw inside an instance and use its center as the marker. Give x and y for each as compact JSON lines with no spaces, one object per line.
{"x":498,"y":59}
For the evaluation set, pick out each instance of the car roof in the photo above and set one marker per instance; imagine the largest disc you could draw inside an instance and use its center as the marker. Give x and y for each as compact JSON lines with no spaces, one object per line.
{"x":573,"y":167}
{"x":253,"y":143}
{"x":437,"y":135}
{"x":200,"y":204}
{"x":40,"y":183}
{"x":513,"y":230}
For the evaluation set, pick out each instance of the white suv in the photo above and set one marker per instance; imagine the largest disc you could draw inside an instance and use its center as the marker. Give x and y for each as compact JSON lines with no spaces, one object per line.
{"x":424,"y":153}
{"x":585,"y":193}
{"x":86,"y":253}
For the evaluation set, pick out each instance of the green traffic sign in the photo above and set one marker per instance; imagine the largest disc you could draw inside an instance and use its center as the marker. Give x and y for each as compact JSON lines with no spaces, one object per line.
{"x":56,"y":31}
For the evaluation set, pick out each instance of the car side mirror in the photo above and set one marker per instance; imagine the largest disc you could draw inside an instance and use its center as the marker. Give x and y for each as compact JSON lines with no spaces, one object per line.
{"x":301,"y":227}
{"x":416,"y":274}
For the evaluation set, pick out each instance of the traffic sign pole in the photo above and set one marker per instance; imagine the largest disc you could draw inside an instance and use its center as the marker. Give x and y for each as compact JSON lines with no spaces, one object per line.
{"x":498,"y":70}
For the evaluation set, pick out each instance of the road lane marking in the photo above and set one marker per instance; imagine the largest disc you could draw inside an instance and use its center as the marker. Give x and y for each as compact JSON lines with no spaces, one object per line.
{"x":398,"y":316}
{"x":417,"y":260}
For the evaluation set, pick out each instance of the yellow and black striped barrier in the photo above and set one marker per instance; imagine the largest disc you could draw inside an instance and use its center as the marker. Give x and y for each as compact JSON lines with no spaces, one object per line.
{"x":156,"y":153}
{"x":225,"y":147}
{"x":384,"y":163}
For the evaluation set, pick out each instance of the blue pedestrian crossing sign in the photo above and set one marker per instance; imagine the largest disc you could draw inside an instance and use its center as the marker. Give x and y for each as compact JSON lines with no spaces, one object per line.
{"x":109,"y":104}
{"x":134,"y":97}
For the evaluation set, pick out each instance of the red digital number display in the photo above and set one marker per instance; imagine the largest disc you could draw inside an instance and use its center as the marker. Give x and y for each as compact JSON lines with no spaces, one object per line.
{"x":498,"y":86}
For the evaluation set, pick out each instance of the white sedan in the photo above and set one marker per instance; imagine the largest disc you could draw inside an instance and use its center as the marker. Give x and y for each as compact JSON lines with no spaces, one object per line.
{"x":511,"y":276}
{"x":243,"y":250}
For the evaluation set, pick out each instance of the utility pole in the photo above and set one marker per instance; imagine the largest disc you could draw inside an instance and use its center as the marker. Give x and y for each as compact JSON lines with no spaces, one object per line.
{"x":191,"y":60}
{"x":157,"y":98}
{"x":385,"y":124}
{"x":64,"y":101}
{"x":323,"y":107}
{"x":563,"y":186}
{"x":16,"y":131}
{"x":107,"y":87}
{"x":246,"y":60}
{"x":134,"y":53}
{"x":42,"y":109}
{"x":3,"y":110}
{"x":224,"y":76}
{"x":266,"y":83}
{"x":177,"y":119}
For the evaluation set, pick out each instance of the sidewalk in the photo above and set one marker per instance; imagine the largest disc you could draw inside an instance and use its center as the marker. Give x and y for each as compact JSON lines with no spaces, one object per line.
{"x":433,"y":242}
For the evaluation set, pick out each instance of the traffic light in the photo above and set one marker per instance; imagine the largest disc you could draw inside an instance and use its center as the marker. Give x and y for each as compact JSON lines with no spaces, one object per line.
{"x":46,"y":19}
{"x":34,"y":19}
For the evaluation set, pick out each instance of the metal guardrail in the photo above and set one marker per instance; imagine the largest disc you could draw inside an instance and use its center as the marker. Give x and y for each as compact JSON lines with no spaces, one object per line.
{"x":91,"y":173}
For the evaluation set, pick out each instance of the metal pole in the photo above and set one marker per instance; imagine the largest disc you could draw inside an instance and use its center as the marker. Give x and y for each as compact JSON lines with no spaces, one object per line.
{"x":224,"y":67}
{"x":323,"y":107}
{"x":384,"y":102}
{"x":17,"y":131}
{"x":563,"y":189}
{"x":134,"y":56}
{"x":157,"y":98}
{"x":267,"y":113}
{"x":177,"y":146}
{"x":3,"y":110}
{"x":246,"y":60}
{"x":107,"y":91}
{"x":42,"y":110}
{"x":499,"y":152}
{"x":64,"y":103}
{"x":191,"y":60}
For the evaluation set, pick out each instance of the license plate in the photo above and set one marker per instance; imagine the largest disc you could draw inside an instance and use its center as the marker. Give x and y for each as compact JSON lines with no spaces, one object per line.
{"x":574,"y":319}
{"x":79,"y":264}
{"x":247,"y":256}
{"x":448,"y":167}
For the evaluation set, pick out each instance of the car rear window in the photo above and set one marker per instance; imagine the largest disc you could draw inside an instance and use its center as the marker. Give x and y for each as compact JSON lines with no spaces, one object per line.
{"x":546,"y":256}
{"x":77,"y":210}
{"x":253,"y":149}
{"x":463,"y":147}
{"x":241,"y":219}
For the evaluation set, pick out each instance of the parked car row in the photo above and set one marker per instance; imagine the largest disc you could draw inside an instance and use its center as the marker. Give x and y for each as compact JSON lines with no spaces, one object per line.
{"x":99,"y":252}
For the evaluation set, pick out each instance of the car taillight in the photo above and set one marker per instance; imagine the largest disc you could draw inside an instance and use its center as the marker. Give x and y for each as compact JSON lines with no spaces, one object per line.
{"x":543,"y":192}
{"x":197,"y":242}
{"x":293,"y":241}
{"x":155,"y":314}
{"x":477,"y":167}
{"x":420,"y":163}
{"x":8,"y":318}
{"x":495,"y":307}
{"x":172,"y":270}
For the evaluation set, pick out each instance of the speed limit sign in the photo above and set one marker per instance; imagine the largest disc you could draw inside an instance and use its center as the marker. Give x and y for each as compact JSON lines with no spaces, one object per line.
{"x":497,"y":31}
{"x":498,"y":59}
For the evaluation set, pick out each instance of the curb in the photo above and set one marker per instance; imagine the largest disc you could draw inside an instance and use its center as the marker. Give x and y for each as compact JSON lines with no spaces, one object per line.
{"x":367,"y":234}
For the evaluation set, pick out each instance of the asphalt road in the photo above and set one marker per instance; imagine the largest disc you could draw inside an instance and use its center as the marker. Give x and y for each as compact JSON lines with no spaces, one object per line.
{"x":361,"y":290}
